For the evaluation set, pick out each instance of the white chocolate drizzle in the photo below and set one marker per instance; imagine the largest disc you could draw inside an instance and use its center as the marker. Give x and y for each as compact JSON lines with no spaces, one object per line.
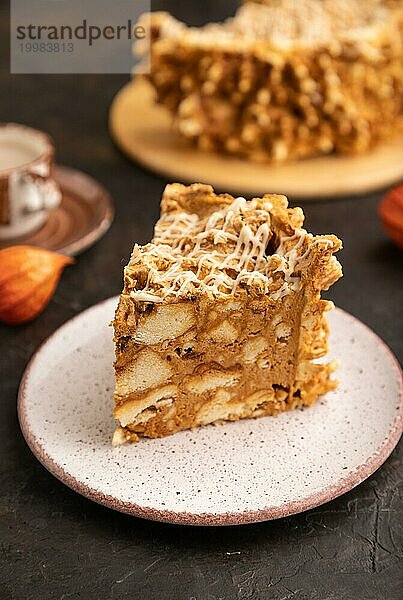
{"x":287,"y":24}
{"x":220,"y":254}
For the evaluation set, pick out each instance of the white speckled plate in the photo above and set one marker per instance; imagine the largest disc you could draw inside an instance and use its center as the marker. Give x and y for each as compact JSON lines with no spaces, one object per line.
{"x":241,"y":472}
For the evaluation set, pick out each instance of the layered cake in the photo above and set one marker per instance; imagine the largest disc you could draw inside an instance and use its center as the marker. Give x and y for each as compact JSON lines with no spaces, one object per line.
{"x":221,"y":316}
{"x":284,"y":79}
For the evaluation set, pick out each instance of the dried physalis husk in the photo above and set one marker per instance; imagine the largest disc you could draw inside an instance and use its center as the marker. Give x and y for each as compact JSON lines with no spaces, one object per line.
{"x":28,"y":279}
{"x":391,"y":213}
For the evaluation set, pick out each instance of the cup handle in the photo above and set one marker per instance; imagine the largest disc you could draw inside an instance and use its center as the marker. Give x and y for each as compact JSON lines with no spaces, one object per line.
{"x":39,"y":192}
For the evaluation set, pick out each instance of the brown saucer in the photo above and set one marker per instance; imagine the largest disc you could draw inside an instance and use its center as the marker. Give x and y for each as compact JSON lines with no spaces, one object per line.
{"x":84,"y":215}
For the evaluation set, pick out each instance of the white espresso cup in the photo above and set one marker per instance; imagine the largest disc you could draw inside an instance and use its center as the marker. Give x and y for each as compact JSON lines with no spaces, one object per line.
{"x":27,"y":191}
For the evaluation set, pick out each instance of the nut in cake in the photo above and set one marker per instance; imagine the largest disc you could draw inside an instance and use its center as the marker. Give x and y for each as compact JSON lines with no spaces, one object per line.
{"x":221,"y":316}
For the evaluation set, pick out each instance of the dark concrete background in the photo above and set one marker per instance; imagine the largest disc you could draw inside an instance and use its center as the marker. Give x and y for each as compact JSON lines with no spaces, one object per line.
{"x":58,"y":545}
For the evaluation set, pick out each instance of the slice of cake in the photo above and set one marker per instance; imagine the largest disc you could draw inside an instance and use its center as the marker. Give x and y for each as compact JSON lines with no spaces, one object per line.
{"x":221,"y":317}
{"x":284,"y":79}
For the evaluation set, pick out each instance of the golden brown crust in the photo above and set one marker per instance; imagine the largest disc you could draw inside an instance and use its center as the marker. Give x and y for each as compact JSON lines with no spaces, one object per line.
{"x":222,"y":246}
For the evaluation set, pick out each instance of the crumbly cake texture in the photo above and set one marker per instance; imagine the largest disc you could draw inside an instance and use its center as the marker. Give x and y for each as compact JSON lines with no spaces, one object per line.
{"x":221,"y":317}
{"x":284,"y":79}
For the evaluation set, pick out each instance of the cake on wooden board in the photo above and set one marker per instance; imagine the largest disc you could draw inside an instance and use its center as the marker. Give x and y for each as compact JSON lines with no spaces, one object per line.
{"x":221,"y":316}
{"x":284,"y":79}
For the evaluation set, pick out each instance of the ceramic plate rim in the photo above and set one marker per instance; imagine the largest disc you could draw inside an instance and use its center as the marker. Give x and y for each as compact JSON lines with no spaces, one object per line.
{"x":103,"y":224}
{"x":326,"y":494}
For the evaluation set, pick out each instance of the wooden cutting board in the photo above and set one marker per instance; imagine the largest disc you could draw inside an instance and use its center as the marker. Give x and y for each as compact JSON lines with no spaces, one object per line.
{"x":143,"y":131}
